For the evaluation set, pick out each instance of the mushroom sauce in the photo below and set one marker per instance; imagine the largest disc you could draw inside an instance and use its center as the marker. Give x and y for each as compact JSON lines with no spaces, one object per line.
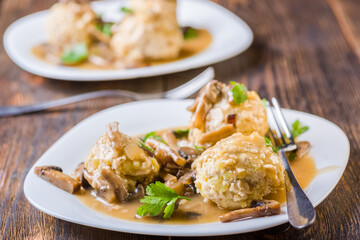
{"x":189,"y":48}
{"x":197,"y":210}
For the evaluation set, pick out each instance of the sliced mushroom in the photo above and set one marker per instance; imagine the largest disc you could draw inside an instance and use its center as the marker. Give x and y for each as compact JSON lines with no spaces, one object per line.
{"x":138,"y":193}
{"x":169,"y":137}
{"x":258,"y":209}
{"x":117,"y":183}
{"x":59,"y":179}
{"x":101,"y":186}
{"x":176,"y":185}
{"x":76,"y":174}
{"x":166,"y":176}
{"x":189,"y":153}
{"x":210,"y":138}
{"x":171,"y":168}
{"x":164,"y":153}
{"x":302,"y":149}
{"x":188,"y":178}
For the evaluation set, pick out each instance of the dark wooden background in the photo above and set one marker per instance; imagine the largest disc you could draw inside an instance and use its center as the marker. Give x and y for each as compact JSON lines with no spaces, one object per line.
{"x":306,"y":53}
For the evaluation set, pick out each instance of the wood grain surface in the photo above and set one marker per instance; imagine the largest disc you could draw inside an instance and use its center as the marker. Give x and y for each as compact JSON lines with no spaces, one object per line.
{"x":306,"y":53}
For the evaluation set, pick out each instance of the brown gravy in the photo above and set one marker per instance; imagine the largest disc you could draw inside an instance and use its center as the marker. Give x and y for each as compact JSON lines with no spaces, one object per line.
{"x":190,"y":48}
{"x":188,"y":212}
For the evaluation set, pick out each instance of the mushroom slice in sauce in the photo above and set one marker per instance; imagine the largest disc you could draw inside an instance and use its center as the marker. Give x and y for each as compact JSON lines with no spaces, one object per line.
{"x":189,"y":153}
{"x":303,"y":148}
{"x":103,"y":189}
{"x":117,"y":183}
{"x":164,"y":153}
{"x":55,"y":176}
{"x":231,"y":119}
{"x":76,"y":174}
{"x":258,"y":209}
{"x":210,"y":138}
{"x":188,"y":178}
{"x":170,"y":139}
{"x":138,"y":193}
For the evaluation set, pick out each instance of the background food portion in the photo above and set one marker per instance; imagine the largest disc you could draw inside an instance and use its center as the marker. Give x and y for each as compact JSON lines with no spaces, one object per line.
{"x":238,"y":170}
{"x":150,"y":31}
{"x":70,"y":23}
{"x":221,"y":110}
{"x":148,"y":34}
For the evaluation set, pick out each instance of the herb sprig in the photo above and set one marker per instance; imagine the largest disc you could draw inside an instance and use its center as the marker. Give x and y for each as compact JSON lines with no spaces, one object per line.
{"x":199,"y":148}
{"x":154,"y":136}
{"x":74,"y":55}
{"x":269,"y":143}
{"x":142,"y":145}
{"x":239,"y":93}
{"x":126,"y":10}
{"x":189,"y":33}
{"x":160,"y":198}
{"x":298,"y":129}
{"x":180,"y":133}
{"x":105,"y":28}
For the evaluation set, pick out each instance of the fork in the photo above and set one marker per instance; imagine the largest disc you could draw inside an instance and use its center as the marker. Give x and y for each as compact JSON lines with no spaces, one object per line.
{"x":299,"y":208}
{"x":183,"y":91}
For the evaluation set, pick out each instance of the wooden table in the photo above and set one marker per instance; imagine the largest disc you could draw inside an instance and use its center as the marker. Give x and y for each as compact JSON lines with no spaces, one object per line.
{"x":306,"y":53}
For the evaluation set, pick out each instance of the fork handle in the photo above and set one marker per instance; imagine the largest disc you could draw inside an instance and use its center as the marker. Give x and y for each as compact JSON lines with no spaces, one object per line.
{"x":18,"y":110}
{"x":301,"y":212}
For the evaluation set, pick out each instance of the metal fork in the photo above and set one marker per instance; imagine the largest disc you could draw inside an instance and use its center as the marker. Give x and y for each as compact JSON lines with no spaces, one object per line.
{"x":183,"y":91}
{"x":299,"y":208}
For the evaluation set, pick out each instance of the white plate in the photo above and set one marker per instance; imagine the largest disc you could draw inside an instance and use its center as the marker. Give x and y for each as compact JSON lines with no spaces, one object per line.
{"x":330,"y":147}
{"x":231,"y":36}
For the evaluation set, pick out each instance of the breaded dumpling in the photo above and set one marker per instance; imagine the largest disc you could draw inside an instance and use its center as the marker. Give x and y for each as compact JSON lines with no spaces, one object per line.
{"x":121,"y":155}
{"x":216,"y":116}
{"x":70,"y":22}
{"x":150,"y":31}
{"x":238,"y":170}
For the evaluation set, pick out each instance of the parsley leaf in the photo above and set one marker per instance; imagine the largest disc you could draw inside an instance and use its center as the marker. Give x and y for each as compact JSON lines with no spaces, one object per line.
{"x":298,"y":129}
{"x":292,"y":156}
{"x":269,"y":143}
{"x":180,"y":133}
{"x":126,"y":10}
{"x":76,"y":54}
{"x":159,"y":196}
{"x":199,"y":148}
{"x":154,"y":136}
{"x":105,"y":28}
{"x":264,"y":100}
{"x":142,"y":145}
{"x":239,"y":92}
{"x":189,"y":33}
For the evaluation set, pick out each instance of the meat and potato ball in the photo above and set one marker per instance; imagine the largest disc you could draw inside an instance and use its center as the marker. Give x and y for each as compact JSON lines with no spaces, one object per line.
{"x":121,"y":155}
{"x":215,"y":116}
{"x":69,"y":23}
{"x":151,"y":31}
{"x":238,"y":170}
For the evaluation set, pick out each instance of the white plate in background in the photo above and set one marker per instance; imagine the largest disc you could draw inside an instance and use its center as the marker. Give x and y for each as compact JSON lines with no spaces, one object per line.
{"x":330,"y":149}
{"x":231,"y":36}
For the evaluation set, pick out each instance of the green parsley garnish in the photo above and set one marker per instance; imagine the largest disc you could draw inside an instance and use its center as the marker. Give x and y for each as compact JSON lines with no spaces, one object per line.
{"x":239,"y":92}
{"x":264,"y":100}
{"x":126,"y":10}
{"x":190,"y":33}
{"x":298,"y":129}
{"x":292,"y":156}
{"x":159,"y":196}
{"x":199,"y":148}
{"x":142,"y":145}
{"x":180,"y":133}
{"x":105,"y":28}
{"x":269,"y":143}
{"x":76,"y":54}
{"x":154,"y":136}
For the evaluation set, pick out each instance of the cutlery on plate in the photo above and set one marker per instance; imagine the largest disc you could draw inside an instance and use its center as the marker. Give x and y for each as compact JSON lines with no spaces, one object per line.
{"x":300,"y":210}
{"x":181,"y":92}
